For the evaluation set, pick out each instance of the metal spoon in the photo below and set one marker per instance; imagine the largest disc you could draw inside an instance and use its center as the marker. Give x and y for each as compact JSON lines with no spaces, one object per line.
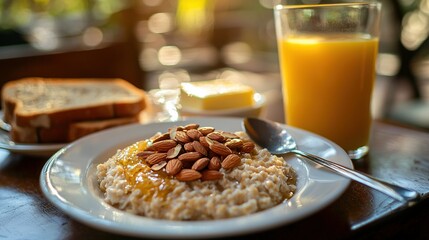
{"x":277,"y":140}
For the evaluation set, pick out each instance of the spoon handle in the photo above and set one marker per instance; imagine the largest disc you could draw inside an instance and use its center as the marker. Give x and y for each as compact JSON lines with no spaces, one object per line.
{"x":397,"y":192}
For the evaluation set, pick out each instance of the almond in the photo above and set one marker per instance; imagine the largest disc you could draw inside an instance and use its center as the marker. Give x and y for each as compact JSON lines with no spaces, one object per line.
{"x":206,"y":130}
{"x":178,"y":128}
{"x":158,"y":166}
{"x":160,"y":136}
{"x":211,"y":175}
{"x":204,"y":142}
{"x":190,"y":156}
{"x":150,"y":148}
{"x":145,"y":154}
{"x":214,"y":163}
{"x":164,"y":145}
{"x":188,"y":147}
{"x":172,"y":132}
{"x":198,"y":147}
{"x":191,"y":126}
{"x":187,"y":175}
{"x":182,"y":137}
{"x":200,"y":164}
{"x":229,"y":135}
{"x":194,"y":134}
{"x":234,"y":143}
{"x":231,"y":161}
{"x":173,"y":167}
{"x":156,"y":158}
{"x":217,"y":136}
{"x":155,"y":136}
{"x":220,"y":149}
{"x":247,"y":147}
{"x":174,"y":152}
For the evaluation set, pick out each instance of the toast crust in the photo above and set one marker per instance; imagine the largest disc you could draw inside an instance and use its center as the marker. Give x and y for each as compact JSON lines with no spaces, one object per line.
{"x":101,"y":99}
{"x":68,"y":133}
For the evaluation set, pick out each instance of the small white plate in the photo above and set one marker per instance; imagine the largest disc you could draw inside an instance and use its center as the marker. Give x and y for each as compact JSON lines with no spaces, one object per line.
{"x":28,"y":149}
{"x":69,"y":181}
{"x":252,"y":111}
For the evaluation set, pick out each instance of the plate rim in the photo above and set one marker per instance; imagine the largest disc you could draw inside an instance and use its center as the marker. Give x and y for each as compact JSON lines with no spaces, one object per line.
{"x":107,"y":225}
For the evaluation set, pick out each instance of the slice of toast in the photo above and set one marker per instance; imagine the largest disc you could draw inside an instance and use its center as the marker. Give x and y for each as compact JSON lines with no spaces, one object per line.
{"x":67,"y":133}
{"x":55,"y":103}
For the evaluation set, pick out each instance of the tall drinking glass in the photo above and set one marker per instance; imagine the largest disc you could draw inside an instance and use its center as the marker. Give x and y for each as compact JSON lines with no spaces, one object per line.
{"x":327,"y":55}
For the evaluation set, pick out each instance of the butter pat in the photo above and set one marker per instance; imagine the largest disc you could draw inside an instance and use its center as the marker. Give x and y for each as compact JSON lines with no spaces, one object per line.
{"x":215,"y":95}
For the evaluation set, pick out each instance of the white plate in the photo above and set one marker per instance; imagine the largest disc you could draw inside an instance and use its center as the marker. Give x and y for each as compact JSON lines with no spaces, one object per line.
{"x":29,"y":149}
{"x":68,"y":180}
{"x":252,"y":111}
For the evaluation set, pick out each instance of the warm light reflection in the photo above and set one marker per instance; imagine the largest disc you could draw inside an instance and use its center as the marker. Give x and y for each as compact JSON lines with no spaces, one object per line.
{"x":92,"y":36}
{"x":387,"y":64}
{"x":44,"y":38}
{"x":415,"y":26}
{"x":169,"y":55}
{"x":237,"y":53}
{"x":160,"y":23}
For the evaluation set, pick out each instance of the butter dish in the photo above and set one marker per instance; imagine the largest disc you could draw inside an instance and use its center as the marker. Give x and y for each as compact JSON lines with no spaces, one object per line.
{"x":218,"y":94}
{"x":248,"y":111}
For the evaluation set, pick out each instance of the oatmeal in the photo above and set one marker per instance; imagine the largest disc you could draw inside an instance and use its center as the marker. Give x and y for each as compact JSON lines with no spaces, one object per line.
{"x":240,"y":181}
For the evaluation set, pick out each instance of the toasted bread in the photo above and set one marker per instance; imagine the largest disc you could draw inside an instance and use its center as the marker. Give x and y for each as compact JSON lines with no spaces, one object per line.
{"x":56,"y":103}
{"x":67,"y":133}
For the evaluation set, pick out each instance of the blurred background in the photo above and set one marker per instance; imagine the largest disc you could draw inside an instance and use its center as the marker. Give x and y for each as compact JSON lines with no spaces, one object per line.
{"x":160,"y":43}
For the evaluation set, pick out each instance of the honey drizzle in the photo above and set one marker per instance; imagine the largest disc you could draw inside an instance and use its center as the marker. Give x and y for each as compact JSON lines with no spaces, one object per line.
{"x":140,"y":176}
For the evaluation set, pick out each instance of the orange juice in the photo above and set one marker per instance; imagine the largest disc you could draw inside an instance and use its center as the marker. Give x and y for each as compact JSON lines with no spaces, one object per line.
{"x":327,"y":85}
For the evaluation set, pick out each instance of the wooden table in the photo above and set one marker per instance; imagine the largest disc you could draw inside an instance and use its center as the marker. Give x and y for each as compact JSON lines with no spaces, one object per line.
{"x":398,"y":155}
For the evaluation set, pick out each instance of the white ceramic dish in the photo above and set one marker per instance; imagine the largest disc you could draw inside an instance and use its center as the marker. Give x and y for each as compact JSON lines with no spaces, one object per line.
{"x":68,"y":180}
{"x":253,"y":111}
{"x":28,"y":149}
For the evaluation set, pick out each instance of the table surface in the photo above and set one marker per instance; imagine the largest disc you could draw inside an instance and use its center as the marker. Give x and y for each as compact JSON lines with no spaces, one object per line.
{"x":399,"y":155}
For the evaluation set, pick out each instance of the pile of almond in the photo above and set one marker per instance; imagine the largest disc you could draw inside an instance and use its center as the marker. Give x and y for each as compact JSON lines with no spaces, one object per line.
{"x":192,"y":152}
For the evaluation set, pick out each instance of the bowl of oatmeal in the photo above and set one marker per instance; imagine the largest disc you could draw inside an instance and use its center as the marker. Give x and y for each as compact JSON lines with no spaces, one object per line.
{"x":70,"y":181}
{"x":195,"y":172}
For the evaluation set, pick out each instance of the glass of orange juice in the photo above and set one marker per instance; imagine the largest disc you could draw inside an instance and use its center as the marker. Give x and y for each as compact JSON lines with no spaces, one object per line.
{"x":327,"y":54}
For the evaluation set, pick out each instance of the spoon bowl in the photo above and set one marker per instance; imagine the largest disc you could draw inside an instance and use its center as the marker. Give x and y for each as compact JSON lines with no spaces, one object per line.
{"x":275,"y":138}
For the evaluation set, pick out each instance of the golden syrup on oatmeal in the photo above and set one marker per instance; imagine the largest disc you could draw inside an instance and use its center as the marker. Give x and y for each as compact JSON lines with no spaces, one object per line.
{"x":140,"y":176}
